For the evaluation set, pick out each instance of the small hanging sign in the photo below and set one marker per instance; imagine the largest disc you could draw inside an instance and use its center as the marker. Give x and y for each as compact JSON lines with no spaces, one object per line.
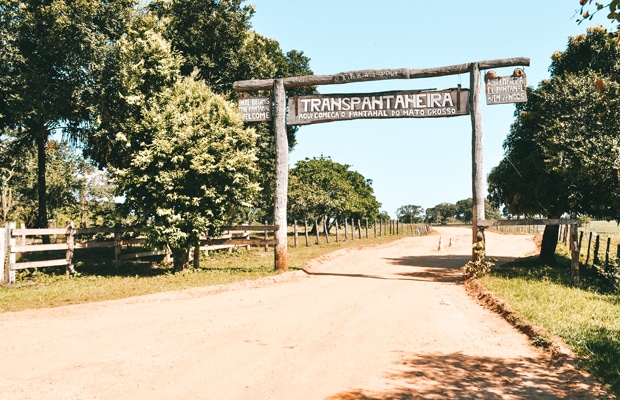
{"x":255,"y":109}
{"x":506,"y":89}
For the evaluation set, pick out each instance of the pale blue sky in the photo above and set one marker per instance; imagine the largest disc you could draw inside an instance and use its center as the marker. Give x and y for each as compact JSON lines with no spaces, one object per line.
{"x":415,"y":161}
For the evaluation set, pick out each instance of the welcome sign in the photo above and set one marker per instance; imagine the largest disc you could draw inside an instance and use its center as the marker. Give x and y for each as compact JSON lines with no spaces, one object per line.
{"x":312,"y":109}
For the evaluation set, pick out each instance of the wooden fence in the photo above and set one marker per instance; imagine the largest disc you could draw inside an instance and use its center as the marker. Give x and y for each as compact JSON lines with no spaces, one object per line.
{"x":14,"y":241}
{"x":355,"y":229}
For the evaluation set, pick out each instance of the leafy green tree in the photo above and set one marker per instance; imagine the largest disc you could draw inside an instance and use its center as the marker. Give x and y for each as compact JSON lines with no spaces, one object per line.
{"x":562,"y":153}
{"x":587,"y":12}
{"x":320,"y":187}
{"x":410,"y":214}
{"x":442,"y":213}
{"x":52,"y":48}
{"x":194,"y":172}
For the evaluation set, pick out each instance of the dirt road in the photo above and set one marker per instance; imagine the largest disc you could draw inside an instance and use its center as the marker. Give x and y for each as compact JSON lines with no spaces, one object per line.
{"x":385,"y":322}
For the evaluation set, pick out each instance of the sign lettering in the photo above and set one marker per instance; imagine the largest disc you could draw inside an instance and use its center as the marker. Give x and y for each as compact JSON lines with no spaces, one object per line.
{"x":255,"y":109}
{"x":314,"y":109}
{"x":505,"y":89}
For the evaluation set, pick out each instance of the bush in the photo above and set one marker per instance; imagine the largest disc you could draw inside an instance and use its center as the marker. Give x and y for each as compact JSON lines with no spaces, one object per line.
{"x":481,"y":266}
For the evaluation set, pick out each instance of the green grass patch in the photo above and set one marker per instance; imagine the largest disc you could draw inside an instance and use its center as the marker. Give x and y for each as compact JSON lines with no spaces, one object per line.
{"x":587,"y":320}
{"x":99,"y":280}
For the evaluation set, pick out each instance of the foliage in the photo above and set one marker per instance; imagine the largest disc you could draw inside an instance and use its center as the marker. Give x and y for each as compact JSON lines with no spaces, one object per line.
{"x":194,"y":170}
{"x":479,"y":267}
{"x":562,"y":153}
{"x":587,"y":13}
{"x":320,"y":187}
{"x":52,"y":51}
{"x":461,"y":212}
{"x":410,"y":214}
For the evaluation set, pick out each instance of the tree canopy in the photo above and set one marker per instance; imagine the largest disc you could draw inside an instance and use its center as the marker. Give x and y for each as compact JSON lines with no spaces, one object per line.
{"x":320,"y":187}
{"x":194,"y":173}
{"x":562,"y":154}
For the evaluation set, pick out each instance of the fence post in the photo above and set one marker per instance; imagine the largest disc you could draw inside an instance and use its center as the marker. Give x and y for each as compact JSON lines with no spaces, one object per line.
{"x":346,"y":230}
{"x":325,"y":229}
{"x":266,"y":238}
{"x":3,"y":254}
{"x":9,"y":272}
{"x":306,"y":233}
{"x":359,"y":228}
{"x":352,"y":229}
{"x":597,"y":244}
{"x":366,"y":228}
{"x":337,"y":234}
{"x":70,"y":249}
{"x":589,"y":243}
{"x":375,"y":227}
{"x":295,"y":233}
{"x":316,"y":230}
{"x":117,"y":249}
{"x":607,"y":251}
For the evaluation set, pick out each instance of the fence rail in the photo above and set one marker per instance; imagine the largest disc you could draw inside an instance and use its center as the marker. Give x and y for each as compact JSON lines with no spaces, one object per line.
{"x":14,"y":241}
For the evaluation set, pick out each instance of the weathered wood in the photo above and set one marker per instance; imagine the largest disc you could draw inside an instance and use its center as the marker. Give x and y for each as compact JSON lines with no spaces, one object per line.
{"x":254,"y":228}
{"x":575,"y":246}
{"x":254,"y":242}
{"x":281,"y":187}
{"x":515,"y":222}
{"x":376,"y":75}
{"x":3,"y":255}
{"x":477,"y":160}
{"x":41,"y":264}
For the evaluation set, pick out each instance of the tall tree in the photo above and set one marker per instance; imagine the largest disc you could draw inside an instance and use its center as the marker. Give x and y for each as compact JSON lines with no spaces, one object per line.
{"x":194,"y":171}
{"x":410,"y":214}
{"x":52,"y":46}
{"x":320,"y":187}
{"x":562,"y":154}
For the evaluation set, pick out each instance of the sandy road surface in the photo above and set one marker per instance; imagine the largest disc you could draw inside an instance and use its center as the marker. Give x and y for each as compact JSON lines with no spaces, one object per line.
{"x":385,"y":322}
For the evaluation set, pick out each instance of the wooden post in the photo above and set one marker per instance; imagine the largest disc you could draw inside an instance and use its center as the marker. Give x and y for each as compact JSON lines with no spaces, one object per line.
{"x":607,"y":251}
{"x":70,"y":249}
{"x":306,"y":233}
{"x":589,"y":244}
{"x":597,"y":244}
{"x":316,"y":230}
{"x":295,"y":233}
{"x":477,"y":165}
{"x":575,"y":246}
{"x":117,"y":249}
{"x":325,"y":229}
{"x":366,"y":228}
{"x":346,"y":230}
{"x":337,"y":234}
{"x":3,"y":255}
{"x":352,"y":229}
{"x":9,"y":273}
{"x":266,"y":236}
{"x":279,"y":126}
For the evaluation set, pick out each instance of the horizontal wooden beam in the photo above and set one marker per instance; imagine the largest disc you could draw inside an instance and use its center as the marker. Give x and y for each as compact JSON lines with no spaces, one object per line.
{"x":515,"y":222}
{"x":259,"y":228}
{"x":377,"y":75}
{"x":40,"y":264}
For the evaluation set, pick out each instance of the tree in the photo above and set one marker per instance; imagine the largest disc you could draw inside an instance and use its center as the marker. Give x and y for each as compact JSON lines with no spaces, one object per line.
{"x":587,"y":13}
{"x":441,"y":214}
{"x":320,"y":187}
{"x":52,"y":48}
{"x":410,"y":214}
{"x":194,"y":172}
{"x":562,"y":153}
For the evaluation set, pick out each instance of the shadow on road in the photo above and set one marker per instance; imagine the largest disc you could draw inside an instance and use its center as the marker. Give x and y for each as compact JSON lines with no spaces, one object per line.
{"x":459,"y":376}
{"x":439,"y":268}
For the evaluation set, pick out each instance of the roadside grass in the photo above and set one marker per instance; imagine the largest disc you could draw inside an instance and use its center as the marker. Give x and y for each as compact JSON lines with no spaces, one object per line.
{"x":99,"y":280}
{"x":587,"y":320}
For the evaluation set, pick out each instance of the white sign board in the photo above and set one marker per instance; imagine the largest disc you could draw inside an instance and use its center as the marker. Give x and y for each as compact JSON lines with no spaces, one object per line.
{"x":255,"y":109}
{"x":506,"y":89}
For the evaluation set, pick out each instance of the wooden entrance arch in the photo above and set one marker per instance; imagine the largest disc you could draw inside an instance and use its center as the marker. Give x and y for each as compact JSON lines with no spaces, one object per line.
{"x":278,"y":86}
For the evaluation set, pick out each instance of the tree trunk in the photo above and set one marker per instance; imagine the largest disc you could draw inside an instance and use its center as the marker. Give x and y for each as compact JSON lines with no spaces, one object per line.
{"x":41,"y":139}
{"x":549,"y":243}
{"x":180,"y":259}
